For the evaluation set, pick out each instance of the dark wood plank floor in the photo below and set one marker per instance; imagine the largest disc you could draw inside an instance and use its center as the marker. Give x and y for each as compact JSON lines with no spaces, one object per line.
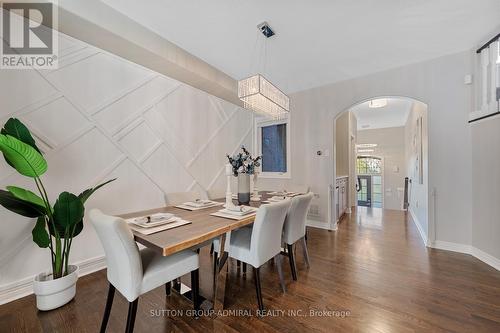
{"x":374,"y":272}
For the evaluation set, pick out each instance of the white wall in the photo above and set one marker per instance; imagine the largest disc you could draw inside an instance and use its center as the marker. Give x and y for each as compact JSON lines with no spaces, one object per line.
{"x":419,"y":193}
{"x":342,"y":146}
{"x":486,"y":187}
{"x":439,"y":84}
{"x":391,"y":148}
{"x":98,"y":117}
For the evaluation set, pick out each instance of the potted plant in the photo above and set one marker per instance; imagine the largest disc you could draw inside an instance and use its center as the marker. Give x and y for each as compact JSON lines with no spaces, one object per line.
{"x":56,"y":225}
{"x":243,"y":166}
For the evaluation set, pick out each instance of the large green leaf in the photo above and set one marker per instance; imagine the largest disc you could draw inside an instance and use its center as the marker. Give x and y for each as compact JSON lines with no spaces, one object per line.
{"x":77,"y":229}
{"x":88,"y":192}
{"x":20,"y":206}
{"x":26,"y":195}
{"x":40,"y":235}
{"x":15,"y":128}
{"x":24,"y":158}
{"x":68,"y":210}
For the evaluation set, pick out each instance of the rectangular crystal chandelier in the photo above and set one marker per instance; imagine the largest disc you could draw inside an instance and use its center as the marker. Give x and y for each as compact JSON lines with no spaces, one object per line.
{"x":261,"y":96}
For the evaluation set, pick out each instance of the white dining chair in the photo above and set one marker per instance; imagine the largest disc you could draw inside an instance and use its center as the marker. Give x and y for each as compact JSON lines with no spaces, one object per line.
{"x":177,"y":198}
{"x":262,"y":242}
{"x":294,"y":229}
{"x":135,"y":272}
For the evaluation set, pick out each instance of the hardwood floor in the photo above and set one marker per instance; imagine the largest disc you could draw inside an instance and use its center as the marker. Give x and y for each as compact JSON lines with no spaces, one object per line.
{"x":374,"y":271}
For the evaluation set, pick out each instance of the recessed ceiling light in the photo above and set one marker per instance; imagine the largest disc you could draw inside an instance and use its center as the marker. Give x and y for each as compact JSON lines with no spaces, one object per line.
{"x":366,"y":145}
{"x":377,"y":103}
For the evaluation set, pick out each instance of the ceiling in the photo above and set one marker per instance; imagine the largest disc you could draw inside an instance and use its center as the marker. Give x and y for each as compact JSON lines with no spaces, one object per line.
{"x":394,"y":114}
{"x":317,"y":42}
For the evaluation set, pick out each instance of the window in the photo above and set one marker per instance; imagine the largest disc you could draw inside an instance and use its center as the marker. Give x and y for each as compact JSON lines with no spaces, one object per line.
{"x":369,"y":170}
{"x":273,"y":143}
{"x":377,"y":191}
{"x":368,"y":165}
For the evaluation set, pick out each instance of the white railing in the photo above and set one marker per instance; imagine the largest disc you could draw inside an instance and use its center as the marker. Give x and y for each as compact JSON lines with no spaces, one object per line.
{"x":487,"y":88}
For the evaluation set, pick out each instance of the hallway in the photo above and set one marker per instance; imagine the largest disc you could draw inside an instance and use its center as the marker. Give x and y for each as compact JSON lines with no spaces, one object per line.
{"x":374,"y":271}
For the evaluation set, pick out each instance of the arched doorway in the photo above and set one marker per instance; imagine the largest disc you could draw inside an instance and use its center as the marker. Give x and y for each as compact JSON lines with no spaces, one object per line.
{"x":390,"y":134}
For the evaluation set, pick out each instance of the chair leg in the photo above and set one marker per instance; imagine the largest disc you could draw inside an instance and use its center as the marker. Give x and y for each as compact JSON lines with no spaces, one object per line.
{"x":132,"y":311}
{"x":291,"y":258}
{"x":244,"y":268}
{"x":216,"y":264}
{"x":107,"y":309}
{"x":258,"y":290}
{"x":168,"y":288}
{"x":212,"y":249}
{"x":278,"y":261}
{"x":177,"y":284}
{"x":305,"y":251}
{"x":195,"y":290}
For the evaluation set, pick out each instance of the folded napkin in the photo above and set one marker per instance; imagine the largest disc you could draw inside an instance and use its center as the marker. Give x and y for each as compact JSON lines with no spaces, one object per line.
{"x":235,"y":208}
{"x":199,"y":203}
{"x":154,"y":218}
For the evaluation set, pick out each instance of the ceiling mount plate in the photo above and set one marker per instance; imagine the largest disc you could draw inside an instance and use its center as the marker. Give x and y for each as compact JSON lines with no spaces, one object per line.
{"x":266,"y":29}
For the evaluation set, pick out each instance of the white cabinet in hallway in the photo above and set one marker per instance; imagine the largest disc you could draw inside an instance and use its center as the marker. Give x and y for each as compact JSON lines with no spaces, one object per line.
{"x":342,"y":196}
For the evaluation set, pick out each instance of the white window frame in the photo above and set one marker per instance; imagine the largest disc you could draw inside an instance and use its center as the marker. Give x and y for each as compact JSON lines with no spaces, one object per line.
{"x":263,"y":122}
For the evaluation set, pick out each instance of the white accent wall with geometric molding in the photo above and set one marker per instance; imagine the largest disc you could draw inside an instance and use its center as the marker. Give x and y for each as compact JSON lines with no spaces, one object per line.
{"x":98,"y":117}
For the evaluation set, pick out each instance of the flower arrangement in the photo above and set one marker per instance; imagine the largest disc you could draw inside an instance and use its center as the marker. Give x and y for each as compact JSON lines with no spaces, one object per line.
{"x":243,"y":162}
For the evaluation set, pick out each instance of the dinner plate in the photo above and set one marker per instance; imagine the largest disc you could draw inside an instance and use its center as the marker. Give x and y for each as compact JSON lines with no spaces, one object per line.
{"x":155,"y":220}
{"x":199,"y":204}
{"x":247,"y":210}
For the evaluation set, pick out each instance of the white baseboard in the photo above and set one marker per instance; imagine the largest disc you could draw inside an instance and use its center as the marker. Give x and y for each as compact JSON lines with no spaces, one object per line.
{"x":24,"y":287}
{"x":468,"y":249}
{"x":421,"y":231}
{"x":450,"y":246}
{"x":486,"y":258}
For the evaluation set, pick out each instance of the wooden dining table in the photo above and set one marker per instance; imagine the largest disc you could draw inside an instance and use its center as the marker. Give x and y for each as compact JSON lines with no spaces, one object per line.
{"x":203,"y":227}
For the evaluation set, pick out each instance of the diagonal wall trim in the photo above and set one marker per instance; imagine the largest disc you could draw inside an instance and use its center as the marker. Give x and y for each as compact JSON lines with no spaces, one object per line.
{"x":72,"y":58}
{"x":104,"y":133}
{"x":140,"y":112}
{"x":150,"y":152}
{"x":209,"y":140}
{"x":221,"y":170}
{"x":32,"y":107}
{"x":75,"y":137}
{"x":120,"y":95}
{"x":129,"y":128}
{"x":105,"y":173}
{"x":101,"y":130}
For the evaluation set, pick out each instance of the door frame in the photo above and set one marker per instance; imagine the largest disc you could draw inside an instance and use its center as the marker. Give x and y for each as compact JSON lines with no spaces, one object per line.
{"x":382,"y":174}
{"x":368,"y":190}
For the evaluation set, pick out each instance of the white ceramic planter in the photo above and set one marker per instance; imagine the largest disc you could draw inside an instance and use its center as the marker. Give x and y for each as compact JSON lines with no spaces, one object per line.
{"x":243,"y":189}
{"x":51,"y":294}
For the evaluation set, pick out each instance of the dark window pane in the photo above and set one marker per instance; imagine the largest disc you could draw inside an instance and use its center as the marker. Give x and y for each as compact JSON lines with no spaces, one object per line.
{"x":274,"y":148}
